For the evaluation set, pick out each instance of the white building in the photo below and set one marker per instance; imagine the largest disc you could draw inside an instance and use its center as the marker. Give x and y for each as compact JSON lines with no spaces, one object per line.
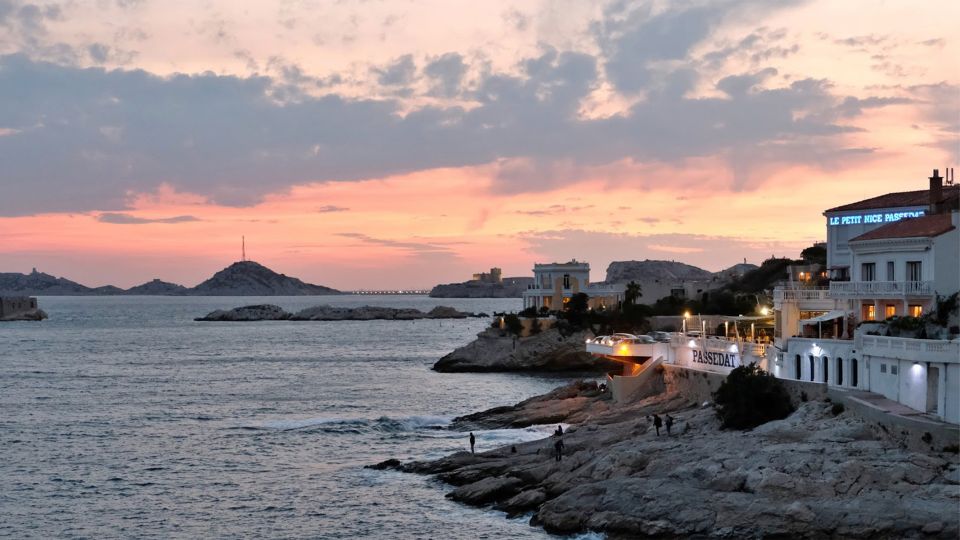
{"x":555,"y":283}
{"x":890,"y":257}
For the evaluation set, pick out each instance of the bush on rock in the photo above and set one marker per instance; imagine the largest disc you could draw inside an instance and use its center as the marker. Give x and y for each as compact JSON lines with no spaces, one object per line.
{"x":749,"y":397}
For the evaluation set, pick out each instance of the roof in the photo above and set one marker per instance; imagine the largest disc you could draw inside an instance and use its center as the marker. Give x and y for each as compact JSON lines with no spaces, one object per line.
{"x":920,"y":227}
{"x":900,"y":199}
{"x":828,"y":316}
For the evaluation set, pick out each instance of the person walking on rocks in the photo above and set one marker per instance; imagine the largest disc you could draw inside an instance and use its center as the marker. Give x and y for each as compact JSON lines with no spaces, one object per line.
{"x":669,"y":423}
{"x":657,"y":422}
{"x":558,"y":446}
{"x":473,"y":441}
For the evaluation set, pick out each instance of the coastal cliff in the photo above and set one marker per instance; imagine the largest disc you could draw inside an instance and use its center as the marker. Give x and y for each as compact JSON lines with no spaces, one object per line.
{"x":815,"y":474}
{"x":546,"y":351}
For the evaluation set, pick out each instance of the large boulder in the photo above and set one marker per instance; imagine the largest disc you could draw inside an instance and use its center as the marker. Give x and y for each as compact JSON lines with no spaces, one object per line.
{"x":494,"y":350}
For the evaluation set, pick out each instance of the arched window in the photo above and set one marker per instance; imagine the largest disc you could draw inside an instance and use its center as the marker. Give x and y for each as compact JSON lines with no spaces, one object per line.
{"x":825,"y":364}
{"x":854,"y":372}
{"x":799,"y":367}
{"x":839,"y":378}
{"x":812,"y":367}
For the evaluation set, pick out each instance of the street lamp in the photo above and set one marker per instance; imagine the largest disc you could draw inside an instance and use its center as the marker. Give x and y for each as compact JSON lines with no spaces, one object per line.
{"x":686,"y":315}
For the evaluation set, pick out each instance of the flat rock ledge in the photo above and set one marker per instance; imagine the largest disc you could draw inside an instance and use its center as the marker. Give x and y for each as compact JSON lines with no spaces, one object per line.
{"x":811,"y":475}
{"x":495,"y":350}
{"x":31,"y":315}
{"x":269,"y":312}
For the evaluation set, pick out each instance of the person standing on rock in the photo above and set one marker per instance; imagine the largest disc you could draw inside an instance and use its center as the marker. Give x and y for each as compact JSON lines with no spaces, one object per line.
{"x":558,"y":446}
{"x":559,"y":431}
{"x":669,"y":424}
{"x":473,"y":441}
{"x":657,"y":422}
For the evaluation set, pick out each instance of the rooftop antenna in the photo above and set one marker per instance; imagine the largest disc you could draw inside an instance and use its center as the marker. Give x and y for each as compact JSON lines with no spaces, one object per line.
{"x":243,"y":248}
{"x":949,"y":178}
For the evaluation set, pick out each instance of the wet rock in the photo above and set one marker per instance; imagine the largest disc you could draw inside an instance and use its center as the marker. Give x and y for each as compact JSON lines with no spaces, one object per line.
{"x":494,"y":350}
{"x":391,"y":463}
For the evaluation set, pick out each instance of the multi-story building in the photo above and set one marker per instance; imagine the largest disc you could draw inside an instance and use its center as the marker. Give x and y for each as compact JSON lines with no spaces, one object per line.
{"x":555,"y":283}
{"x":891,"y":257}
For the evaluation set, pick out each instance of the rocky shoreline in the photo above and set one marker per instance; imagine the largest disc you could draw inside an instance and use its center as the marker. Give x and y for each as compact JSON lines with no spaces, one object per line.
{"x":29,"y":315}
{"x":818,"y":473}
{"x":496,"y":350}
{"x":270,"y":312}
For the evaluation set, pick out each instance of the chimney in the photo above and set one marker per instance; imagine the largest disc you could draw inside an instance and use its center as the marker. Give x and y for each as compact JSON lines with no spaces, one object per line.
{"x":936,"y":191}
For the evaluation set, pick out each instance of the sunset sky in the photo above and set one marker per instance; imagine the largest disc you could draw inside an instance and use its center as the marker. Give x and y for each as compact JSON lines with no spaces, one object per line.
{"x":389,"y":144}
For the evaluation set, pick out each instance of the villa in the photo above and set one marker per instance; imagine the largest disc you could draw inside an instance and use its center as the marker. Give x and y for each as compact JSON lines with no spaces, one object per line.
{"x":853,"y":327}
{"x":555,"y":283}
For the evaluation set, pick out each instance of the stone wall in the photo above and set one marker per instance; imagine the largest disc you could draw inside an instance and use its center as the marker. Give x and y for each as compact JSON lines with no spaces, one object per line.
{"x":699,"y":385}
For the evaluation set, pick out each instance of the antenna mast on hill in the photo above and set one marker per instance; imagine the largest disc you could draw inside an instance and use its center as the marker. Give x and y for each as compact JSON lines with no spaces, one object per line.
{"x":243,"y":249}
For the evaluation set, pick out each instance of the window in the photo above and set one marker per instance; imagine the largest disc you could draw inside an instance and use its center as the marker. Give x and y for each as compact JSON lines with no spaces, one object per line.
{"x":839,"y":378}
{"x":854,"y":375}
{"x":868,"y":272}
{"x":566,"y":281}
{"x":825,"y":365}
{"x":914,"y":271}
{"x":812,"y":367}
{"x":891,"y":271}
{"x":889,"y":310}
{"x":883,"y":368}
{"x":893,"y":369}
{"x":798,"y":366}
{"x":916,"y":310}
{"x":869,"y":312}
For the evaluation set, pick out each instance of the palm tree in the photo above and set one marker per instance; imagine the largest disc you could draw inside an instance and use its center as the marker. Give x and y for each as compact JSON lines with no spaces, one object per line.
{"x":632,"y":293}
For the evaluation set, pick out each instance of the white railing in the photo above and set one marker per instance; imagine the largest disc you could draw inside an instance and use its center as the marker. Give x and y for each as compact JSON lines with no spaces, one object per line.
{"x":815,"y":293}
{"x":920,"y":350}
{"x":846,"y":289}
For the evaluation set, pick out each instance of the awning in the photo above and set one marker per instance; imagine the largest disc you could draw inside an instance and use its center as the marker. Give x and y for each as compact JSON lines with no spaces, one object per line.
{"x":828,"y":316}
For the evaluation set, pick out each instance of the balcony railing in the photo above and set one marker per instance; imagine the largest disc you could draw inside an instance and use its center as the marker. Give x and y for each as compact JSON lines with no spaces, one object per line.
{"x":794,"y":294}
{"x":850,"y":289}
{"x":920,"y":350}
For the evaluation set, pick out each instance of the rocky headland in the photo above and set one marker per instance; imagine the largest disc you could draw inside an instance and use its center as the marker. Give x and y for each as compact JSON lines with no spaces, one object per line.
{"x":495,"y":350}
{"x":269,"y":312}
{"x":815,"y":474}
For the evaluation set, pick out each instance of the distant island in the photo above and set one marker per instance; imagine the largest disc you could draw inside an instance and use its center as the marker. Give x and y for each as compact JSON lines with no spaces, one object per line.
{"x":242,"y":278}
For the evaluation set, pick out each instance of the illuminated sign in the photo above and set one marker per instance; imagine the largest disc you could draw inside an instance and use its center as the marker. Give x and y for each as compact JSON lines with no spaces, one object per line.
{"x":875,"y":218}
{"x":713,"y":358}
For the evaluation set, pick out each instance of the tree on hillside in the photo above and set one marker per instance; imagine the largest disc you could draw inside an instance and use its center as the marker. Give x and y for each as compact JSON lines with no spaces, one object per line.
{"x":815,"y":254}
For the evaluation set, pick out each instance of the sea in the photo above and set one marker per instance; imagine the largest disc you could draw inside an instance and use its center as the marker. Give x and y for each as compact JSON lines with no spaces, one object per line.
{"x":122,"y":417}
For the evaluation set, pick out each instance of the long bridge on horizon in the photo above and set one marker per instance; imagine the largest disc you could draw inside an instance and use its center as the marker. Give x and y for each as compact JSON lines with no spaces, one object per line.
{"x":394,"y":292}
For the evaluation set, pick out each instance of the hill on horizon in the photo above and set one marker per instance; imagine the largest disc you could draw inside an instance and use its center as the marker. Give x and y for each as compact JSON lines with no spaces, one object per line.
{"x":242,"y":278}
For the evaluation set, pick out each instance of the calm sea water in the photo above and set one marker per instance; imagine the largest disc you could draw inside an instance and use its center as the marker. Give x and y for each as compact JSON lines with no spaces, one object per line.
{"x":122,"y":417}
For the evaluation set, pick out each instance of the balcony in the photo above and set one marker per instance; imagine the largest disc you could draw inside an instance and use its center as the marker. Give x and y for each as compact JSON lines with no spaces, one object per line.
{"x":880,"y":289}
{"x":781,"y":294}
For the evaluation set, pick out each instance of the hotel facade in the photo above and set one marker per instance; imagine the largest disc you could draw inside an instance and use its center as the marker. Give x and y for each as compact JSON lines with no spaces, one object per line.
{"x":890,"y":260}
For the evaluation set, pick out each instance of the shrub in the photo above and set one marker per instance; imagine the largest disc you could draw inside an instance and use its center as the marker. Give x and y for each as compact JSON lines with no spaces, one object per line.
{"x":513,"y":325}
{"x":952,"y":448}
{"x":544,"y":311}
{"x":529,"y":312}
{"x":837,"y":409}
{"x":749,"y":397}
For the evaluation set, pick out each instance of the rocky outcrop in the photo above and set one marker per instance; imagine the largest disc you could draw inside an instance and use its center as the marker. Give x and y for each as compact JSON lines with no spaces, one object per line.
{"x":269,"y":312}
{"x":811,"y":475}
{"x":651,"y":270}
{"x":247,"y":278}
{"x":494,"y":350}
{"x":40,"y":284}
{"x":510,"y":288}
